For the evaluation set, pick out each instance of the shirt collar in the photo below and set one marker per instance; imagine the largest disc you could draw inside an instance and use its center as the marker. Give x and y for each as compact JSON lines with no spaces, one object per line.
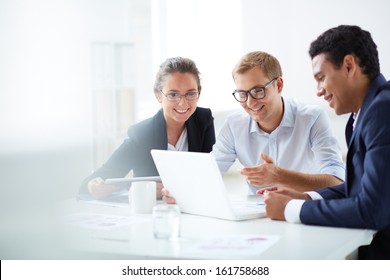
{"x":355,"y":118}
{"x":288,"y":115}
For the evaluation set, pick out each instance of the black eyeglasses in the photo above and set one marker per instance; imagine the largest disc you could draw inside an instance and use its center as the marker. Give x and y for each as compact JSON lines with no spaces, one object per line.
{"x":258,"y":92}
{"x":176,"y":97}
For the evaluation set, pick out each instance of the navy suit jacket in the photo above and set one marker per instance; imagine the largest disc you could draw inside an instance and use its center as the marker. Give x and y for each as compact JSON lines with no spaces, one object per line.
{"x":134,"y":153}
{"x":363,"y":200}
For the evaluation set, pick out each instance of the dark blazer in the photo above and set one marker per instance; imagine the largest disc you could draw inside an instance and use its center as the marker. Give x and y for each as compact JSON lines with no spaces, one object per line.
{"x":134,"y":152}
{"x":363,"y":200}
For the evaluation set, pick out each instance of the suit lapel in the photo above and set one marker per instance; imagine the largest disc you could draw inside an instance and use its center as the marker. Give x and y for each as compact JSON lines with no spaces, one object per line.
{"x":353,"y":142}
{"x":160,"y":138}
{"x":194,"y":137}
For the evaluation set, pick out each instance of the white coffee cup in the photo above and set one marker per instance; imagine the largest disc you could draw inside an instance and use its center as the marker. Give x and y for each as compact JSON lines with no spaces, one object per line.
{"x":142,"y":197}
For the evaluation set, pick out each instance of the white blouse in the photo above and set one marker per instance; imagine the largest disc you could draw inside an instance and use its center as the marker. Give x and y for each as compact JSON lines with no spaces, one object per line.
{"x":182,"y":143}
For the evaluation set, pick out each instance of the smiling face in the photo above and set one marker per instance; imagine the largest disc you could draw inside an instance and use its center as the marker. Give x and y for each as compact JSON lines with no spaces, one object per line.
{"x":177,"y":113}
{"x":336,"y":85}
{"x":267,"y":112}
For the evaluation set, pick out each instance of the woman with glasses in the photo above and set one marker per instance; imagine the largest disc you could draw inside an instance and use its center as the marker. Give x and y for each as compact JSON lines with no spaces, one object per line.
{"x":179,"y":125}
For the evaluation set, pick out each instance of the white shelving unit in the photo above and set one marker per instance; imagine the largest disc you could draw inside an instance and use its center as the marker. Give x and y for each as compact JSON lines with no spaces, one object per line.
{"x":113,"y":90}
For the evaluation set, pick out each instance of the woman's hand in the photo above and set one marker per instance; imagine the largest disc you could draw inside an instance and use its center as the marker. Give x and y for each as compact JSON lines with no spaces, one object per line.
{"x":100,"y":190}
{"x":165,"y":196}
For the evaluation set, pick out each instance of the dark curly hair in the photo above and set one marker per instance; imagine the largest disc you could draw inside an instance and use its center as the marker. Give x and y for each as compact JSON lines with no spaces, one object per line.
{"x":340,"y":41}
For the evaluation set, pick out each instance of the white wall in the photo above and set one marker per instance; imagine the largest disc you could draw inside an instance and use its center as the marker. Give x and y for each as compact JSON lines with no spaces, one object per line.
{"x":209,"y":32}
{"x":45,"y":68}
{"x":45,"y":98}
{"x":286,"y":29}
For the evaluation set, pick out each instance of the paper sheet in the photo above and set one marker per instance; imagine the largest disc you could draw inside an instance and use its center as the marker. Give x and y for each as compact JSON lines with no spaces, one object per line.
{"x":235,"y":245}
{"x":101,"y":221}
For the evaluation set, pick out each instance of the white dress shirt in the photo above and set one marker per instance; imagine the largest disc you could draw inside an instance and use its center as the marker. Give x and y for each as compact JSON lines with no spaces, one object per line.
{"x":303,"y":142}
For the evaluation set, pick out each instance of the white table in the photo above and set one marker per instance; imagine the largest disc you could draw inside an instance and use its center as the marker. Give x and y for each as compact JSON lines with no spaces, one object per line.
{"x":136,"y":241}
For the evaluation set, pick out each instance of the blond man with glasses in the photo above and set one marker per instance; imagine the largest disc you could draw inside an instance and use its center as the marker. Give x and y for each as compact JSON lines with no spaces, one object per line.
{"x":279,"y":141}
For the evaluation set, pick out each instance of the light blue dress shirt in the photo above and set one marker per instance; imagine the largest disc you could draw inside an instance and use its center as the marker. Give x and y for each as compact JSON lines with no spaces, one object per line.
{"x":303,"y":142}
{"x":294,"y":206}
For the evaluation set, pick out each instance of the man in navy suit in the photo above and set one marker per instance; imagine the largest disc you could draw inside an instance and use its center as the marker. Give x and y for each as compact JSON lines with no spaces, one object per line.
{"x":346,"y":67}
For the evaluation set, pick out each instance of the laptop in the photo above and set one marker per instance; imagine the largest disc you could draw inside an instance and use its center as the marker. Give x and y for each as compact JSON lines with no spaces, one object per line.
{"x":196,"y":183}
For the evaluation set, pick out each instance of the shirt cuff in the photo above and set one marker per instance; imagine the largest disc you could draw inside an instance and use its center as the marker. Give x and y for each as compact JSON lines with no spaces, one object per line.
{"x":292,"y":210}
{"x":294,"y":206}
{"x":314,"y":195}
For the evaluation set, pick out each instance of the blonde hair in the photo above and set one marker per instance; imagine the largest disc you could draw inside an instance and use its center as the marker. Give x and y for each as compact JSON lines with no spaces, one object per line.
{"x":266,"y":62}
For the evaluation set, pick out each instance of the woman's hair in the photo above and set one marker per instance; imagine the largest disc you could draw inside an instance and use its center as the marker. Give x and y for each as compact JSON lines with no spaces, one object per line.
{"x":266,"y":62}
{"x":174,"y":65}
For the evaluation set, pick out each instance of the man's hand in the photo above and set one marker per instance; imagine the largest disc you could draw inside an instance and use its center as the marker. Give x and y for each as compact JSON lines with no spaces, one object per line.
{"x":291,"y":193}
{"x":264,"y":174}
{"x":276,"y":199}
{"x":275,"y":204}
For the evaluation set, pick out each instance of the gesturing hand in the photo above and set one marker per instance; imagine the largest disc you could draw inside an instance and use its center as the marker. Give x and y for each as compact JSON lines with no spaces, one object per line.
{"x":264,"y":174}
